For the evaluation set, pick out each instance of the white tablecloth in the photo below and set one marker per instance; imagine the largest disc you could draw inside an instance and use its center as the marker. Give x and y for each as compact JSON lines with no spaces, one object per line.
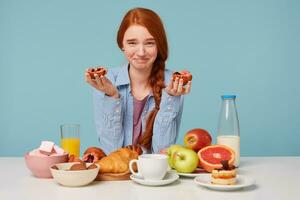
{"x":276,"y":178}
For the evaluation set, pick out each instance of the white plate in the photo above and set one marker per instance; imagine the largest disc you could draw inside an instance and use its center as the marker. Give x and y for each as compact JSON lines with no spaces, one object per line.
{"x":242,"y":181}
{"x":196,"y":173}
{"x":169,"y":178}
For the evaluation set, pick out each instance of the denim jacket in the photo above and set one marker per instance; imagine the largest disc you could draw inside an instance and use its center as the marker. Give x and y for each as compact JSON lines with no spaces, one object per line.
{"x":114,"y":117}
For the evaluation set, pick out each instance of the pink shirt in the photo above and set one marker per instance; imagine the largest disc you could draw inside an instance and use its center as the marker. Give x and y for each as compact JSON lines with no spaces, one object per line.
{"x":138,"y":106}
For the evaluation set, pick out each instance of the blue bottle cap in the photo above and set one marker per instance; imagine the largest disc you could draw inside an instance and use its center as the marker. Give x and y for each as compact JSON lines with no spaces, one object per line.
{"x":228,"y":96}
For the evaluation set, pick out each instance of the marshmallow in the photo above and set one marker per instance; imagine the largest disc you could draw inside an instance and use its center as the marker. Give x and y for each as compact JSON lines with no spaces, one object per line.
{"x":46,"y":147}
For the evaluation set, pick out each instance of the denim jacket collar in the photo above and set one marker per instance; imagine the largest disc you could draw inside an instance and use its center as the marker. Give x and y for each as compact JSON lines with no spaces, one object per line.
{"x":123,"y":78}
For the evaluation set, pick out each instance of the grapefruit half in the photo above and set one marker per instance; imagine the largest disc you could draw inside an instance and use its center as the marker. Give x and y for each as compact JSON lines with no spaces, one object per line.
{"x":210,"y":157}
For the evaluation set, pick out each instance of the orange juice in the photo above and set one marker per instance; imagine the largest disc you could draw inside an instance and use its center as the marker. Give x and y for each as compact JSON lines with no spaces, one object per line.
{"x":71,"y":145}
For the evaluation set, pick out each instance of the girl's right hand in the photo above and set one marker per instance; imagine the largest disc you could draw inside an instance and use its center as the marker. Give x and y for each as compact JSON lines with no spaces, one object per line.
{"x":102,"y":84}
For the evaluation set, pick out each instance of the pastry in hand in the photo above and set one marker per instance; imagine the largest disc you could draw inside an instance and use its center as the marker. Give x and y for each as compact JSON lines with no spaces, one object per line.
{"x":100,"y":71}
{"x":224,"y":176}
{"x":185,"y":75}
{"x":93,"y":154}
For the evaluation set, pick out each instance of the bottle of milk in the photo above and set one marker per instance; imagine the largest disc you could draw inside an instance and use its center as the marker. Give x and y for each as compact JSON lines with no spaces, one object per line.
{"x":228,"y":128}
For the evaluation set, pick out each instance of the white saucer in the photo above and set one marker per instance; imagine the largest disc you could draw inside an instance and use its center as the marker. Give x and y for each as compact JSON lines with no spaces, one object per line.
{"x":196,"y":173}
{"x":169,"y":178}
{"x":241,"y":182}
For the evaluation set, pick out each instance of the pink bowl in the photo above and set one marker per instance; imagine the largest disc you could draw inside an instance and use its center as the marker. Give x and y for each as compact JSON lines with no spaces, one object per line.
{"x":40,"y":166}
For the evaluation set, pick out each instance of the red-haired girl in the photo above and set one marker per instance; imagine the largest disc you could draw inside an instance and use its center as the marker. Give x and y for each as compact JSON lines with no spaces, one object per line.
{"x":139,"y":103}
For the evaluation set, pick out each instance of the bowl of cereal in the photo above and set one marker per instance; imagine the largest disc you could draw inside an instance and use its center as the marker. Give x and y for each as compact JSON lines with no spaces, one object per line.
{"x":74,"y":174}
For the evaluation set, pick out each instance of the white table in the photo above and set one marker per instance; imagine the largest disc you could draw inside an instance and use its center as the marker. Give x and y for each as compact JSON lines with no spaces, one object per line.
{"x":276,"y":178}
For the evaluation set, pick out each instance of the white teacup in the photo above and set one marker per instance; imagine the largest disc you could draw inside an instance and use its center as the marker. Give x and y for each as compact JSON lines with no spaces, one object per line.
{"x":150,"y":166}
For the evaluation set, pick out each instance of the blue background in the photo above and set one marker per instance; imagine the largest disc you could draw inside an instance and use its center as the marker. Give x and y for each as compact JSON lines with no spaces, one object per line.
{"x":247,"y":48}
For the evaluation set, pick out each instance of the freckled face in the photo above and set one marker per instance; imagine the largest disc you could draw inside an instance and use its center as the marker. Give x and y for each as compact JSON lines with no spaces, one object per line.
{"x":139,"y":47}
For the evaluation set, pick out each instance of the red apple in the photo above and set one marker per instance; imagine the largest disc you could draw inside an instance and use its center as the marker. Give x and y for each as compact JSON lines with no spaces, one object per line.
{"x":197,"y":138}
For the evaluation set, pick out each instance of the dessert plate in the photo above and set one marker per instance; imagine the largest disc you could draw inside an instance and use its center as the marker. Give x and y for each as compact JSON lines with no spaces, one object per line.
{"x":169,"y":178}
{"x":196,"y":173}
{"x":241,"y":182}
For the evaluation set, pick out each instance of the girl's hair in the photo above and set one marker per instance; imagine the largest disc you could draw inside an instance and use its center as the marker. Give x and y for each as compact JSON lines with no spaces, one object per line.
{"x":152,"y":22}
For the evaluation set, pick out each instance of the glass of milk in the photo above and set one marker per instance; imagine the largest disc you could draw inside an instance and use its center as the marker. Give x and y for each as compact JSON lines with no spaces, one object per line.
{"x":228,"y":127}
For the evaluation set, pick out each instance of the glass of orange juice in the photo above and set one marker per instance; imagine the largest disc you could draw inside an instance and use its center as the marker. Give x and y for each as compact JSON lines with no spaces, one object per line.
{"x":70,"y":140}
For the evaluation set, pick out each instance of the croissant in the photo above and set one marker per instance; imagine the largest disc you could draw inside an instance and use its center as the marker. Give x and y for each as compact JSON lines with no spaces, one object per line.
{"x":117,"y":161}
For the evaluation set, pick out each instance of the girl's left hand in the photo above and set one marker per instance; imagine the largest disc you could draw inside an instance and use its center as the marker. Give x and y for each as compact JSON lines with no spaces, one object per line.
{"x":176,"y":88}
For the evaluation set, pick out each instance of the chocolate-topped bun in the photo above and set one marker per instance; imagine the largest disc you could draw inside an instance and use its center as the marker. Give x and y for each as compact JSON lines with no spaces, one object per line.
{"x":100,"y":71}
{"x":185,"y":75}
{"x":93,"y":154}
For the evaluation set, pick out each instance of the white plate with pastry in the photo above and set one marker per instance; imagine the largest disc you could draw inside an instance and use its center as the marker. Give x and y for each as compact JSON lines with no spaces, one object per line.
{"x":169,"y":178}
{"x":242,"y":181}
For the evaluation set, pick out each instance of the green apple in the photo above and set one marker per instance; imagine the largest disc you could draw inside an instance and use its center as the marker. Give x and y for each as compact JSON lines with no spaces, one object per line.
{"x":170,"y":152}
{"x":185,"y":160}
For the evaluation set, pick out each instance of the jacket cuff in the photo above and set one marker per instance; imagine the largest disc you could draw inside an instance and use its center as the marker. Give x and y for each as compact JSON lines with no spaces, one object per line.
{"x":112,"y":105}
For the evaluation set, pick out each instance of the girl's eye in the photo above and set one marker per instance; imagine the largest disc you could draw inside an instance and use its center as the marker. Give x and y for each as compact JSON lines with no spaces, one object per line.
{"x":132,"y":43}
{"x":150,"y":43}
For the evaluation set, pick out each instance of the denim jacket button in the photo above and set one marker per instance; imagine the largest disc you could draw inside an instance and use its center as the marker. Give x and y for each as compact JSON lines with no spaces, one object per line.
{"x":169,"y":108}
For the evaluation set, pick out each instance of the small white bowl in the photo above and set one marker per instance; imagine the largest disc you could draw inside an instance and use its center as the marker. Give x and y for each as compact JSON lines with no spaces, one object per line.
{"x":73,"y":178}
